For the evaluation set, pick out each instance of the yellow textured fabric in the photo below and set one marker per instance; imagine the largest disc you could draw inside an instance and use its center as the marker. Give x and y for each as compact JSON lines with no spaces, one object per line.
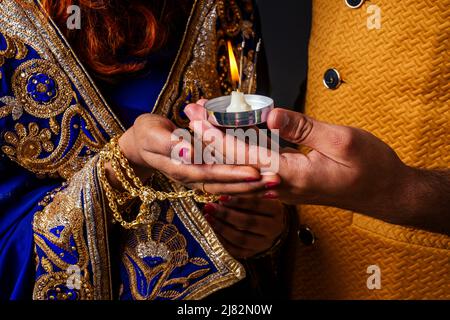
{"x":397,"y":86}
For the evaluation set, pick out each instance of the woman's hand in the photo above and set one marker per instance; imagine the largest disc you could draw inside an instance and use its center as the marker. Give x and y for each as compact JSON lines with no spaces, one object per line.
{"x":148,"y":146}
{"x":245,"y":226}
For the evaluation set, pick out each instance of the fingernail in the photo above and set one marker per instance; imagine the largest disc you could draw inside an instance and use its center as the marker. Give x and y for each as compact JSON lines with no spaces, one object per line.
{"x":224,"y":198}
{"x":183,"y":152}
{"x":209,"y":209}
{"x":251,"y":179}
{"x":270,"y":195}
{"x":272,"y":184}
{"x":281,"y":119}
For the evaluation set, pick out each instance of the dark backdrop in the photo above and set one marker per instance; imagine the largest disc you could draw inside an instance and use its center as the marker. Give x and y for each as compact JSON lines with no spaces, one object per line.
{"x":285,"y":28}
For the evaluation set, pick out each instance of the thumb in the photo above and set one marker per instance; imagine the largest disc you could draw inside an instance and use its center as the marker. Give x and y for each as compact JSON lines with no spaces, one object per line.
{"x":295,"y":127}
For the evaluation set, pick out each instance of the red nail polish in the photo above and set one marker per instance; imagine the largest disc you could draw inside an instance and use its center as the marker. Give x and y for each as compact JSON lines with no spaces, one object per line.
{"x":224,"y":198}
{"x":209,"y":209}
{"x":272,"y":184}
{"x":251,"y":179}
{"x":183,"y":152}
{"x":270,"y":195}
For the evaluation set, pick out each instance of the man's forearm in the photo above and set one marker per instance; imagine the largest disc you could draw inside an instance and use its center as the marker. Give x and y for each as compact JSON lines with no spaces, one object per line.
{"x":426,"y":200}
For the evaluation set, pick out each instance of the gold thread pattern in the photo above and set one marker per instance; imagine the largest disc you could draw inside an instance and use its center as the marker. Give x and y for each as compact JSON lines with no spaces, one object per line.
{"x":166,"y":247}
{"x":14,"y":49}
{"x":54,"y":87}
{"x":58,"y":223}
{"x":202,"y":63}
{"x":72,"y":259}
{"x":42,"y":90}
{"x":26,"y":146}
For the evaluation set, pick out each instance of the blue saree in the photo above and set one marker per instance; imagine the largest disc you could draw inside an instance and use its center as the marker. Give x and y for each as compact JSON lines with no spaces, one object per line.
{"x":56,"y":239}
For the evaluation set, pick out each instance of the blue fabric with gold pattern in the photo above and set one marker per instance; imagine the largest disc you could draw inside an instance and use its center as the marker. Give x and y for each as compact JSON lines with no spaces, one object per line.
{"x":54,"y":226}
{"x":20,"y":190}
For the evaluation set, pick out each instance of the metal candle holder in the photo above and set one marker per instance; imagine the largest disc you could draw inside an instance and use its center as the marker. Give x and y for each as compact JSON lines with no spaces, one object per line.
{"x":218,"y":115}
{"x":261,"y":105}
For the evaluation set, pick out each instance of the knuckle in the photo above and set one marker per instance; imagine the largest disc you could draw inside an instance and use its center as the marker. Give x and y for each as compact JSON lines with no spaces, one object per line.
{"x":344,"y":139}
{"x":301,"y":129}
{"x":144,"y":119}
{"x":140,"y":120}
{"x":178,"y":176}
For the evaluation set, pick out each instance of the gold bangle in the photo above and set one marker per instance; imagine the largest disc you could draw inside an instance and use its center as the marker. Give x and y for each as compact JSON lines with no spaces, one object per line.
{"x":135,"y":188}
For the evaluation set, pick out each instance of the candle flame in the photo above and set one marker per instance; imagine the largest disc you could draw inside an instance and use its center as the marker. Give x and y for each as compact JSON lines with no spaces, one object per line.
{"x":233,"y":65}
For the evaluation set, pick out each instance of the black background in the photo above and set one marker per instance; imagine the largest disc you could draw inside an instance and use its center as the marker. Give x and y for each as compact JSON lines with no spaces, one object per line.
{"x":285,"y":30}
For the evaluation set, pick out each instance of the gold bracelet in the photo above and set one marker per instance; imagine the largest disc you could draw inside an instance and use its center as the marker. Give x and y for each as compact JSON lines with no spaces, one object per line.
{"x":135,"y":188}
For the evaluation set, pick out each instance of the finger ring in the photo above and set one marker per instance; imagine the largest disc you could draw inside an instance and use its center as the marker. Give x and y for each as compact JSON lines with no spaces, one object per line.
{"x":203,"y":188}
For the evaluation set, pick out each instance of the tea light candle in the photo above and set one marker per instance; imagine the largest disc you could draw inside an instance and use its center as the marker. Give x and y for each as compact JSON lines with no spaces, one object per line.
{"x":238,"y":102}
{"x":238,"y":109}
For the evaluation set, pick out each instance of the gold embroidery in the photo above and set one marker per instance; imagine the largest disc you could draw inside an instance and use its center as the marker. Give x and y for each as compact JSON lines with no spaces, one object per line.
{"x":50,"y":287}
{"x":47,"y":265}
{"x":198,"y":261}
{"x":202,"y":63}
{"x":229,"y":9}
{"x":54,"y":125}
{"x":58,"y":223}
{"x":61,"y":212}
{"x":26,"y":20}
{"x":11,"y":107}
{"x":229,"y":270}
{"x":54,"y":88}
{"x":26,"y":147}
{"x":73,"y":222}
{"x":42,"y":89}
{"x":161,"y":241}
{"x":28,"y":144}
{"x":201,"y":77}
{"x":14,"y":49}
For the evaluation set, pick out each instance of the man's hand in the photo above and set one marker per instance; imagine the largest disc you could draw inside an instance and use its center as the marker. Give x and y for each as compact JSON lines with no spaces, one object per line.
{"x":350,"y":168}
{"x":346,"y":167}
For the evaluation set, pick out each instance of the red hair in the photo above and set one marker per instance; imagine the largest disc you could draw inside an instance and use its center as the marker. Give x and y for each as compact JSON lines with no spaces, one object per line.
{"x":112,"y":31}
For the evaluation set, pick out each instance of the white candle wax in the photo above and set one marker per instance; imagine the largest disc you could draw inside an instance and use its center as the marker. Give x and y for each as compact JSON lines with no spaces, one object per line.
{"x":238,"y":103}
